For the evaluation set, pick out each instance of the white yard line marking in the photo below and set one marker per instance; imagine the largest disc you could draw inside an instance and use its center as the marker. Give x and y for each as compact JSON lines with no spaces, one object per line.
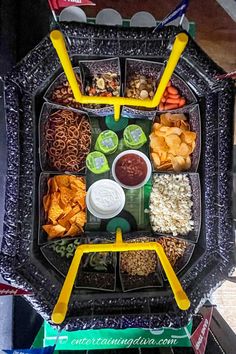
{"x":229,"y":6}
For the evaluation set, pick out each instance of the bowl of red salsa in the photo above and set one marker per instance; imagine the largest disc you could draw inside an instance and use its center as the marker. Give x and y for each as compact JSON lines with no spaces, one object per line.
{"x":131,"y":169}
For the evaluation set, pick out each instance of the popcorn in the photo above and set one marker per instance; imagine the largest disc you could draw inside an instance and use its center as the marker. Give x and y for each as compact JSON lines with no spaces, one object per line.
{"x":171,"y":204}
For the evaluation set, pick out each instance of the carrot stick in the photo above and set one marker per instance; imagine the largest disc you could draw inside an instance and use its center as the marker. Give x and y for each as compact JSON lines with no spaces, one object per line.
{"x":182,"y":102}
{"x":172,"y":90}
{"x":173,"y":100}
{"x":170,"y":106}
{"x":173,"y":96}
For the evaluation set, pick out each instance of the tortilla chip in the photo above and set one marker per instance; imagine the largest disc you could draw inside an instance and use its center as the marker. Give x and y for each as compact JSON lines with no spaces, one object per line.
{"x":67,"y":209}
{"x":77,"y":182}
{"x":66,"y":195}
{"x":79,"y":197}
{"x":54,"y":230}
{"x":74,"y":230}
{"x":79,"y":219}
{"x":64,"y":200}
{"x":62,"y":181}
{"x":46,"y":202}
{"x":54,"y":211}
{"x":67,"y":217}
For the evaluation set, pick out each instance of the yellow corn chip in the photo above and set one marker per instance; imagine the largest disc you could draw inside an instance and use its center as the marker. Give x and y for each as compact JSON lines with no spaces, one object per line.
{"x":66,"y":194}
{"x":74,"y":230}
{"x":54,"y":211}
{"x":54,"y":230}
{"x":63,"y":180}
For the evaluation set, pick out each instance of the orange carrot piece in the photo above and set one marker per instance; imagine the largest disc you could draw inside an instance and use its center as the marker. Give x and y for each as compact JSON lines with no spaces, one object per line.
{"x":173,"y":100}
{"x":173,"y":96}
{"x":172,"y":90}
{"x":165,"y":93}
{"x":170,"y":106}
{"x":182,"y":102}
{"x":161,"y":107}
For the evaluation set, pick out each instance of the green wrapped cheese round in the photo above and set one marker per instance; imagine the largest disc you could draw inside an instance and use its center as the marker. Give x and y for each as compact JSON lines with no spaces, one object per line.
{"x":97,"y":163}
{"x":134,"y":137}
{"x":107,"y":142}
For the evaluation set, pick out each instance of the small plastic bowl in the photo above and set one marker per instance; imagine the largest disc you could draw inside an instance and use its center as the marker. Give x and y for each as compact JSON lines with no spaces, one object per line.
{"x":100,"y":190}
{"x":144,"y":157}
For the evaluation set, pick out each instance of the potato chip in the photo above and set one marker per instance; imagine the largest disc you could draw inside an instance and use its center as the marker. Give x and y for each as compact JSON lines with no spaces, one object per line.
{"x":152,"y":136}
{"x":177,"y":117}
{"x":164,"y":166}
{"x":184,"y":150}
{"x":163,"y":156}
{"x":193,"y":145}
{"x":173,"y":130}
{"x":164,"y":129}
{"x":173,"y":140}
{"x":187,"y":163}
{"x":54,"y":230}
{"x":184,"y":126}
{"x":169,"y":156}
{"x":179,"y":143}
{"x":156,"y":127}
{"x":165,"y":121}
{"x":178,"y":163}
{"x":156,"y":159}
{"x":158,"y":144}
{"x":188,"y":137}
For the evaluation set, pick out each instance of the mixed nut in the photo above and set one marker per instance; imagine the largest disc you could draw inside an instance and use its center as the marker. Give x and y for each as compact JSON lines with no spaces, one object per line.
{"x":63,"y":95}
{"x":107,"y":85}
{"x":174,"y":248}
{"x":141,"y":263}
{"x":140,"y":86}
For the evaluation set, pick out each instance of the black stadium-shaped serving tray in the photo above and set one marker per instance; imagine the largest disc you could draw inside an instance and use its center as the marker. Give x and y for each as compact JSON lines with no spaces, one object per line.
{"x":21,"y":261}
